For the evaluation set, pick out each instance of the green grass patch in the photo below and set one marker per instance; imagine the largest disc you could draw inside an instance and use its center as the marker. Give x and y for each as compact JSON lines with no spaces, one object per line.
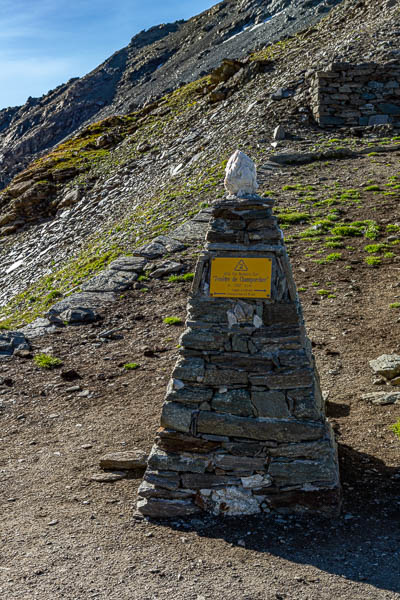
{"x":172,"y":321}
{"x":131,"y":366}
{"x":394,"y":305}
{"x":46,"y":361}
{"x":373,"y":261}
{"x":180,"y":278}
{"x":291,"y":218}
{"x":396,"y":428}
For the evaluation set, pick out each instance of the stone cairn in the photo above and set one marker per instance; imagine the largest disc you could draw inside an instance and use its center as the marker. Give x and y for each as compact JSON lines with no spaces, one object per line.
{"x":243,"y":428}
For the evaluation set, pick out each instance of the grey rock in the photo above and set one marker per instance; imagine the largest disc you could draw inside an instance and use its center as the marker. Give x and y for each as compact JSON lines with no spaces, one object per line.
{"x":159,"y":508}
{"x":130,"y":459}
{"x":79,"y":315}
{"x":160,"y":246}
{"x":166,"y":269}
{"x":129,"y":263}
{"x":168,"y":480}
{"x":311,"y":450}
{"x":189,"y":369}
{"x":235,"y":402}
{"x":301,"y":472}
{"x":38,"y":327}
{"x":208,"y":481}
{"x":382,"y":398}
{"x":200,"y":339}
{"x":11,"y":342}
{"x":386,"y":365}
{"x":149,"y":490}
{"x":189,"y":395}
{"x":301,"y":378}
{"x":189,"y":463}
{"x":176,"y":416}
{"x":218,"y":377}
{"x":378,"y":120}
{"x":239,"y":464}
{"x":280,"y":430}
{"x":279,"y":133}
{"x":390,"y":109}
{"x":110,"y":281}
{"x":82,"y":300}
{"x":270,"y":404}
{"x":108,"y":477}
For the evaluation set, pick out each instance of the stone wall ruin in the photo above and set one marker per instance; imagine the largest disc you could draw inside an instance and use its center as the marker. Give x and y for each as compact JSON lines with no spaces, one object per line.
{"x":350,"y":95}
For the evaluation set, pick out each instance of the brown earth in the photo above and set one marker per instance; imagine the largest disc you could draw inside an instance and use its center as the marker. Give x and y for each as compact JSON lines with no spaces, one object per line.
{"x":65,"y":536}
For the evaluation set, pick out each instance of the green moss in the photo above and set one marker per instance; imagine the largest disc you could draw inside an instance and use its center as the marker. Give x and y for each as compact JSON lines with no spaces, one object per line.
{"x":131,"y":366}
{"x":45,"y":361}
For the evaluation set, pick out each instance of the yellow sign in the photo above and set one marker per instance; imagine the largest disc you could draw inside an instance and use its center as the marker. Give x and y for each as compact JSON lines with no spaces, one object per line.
{"x":241,"y":277}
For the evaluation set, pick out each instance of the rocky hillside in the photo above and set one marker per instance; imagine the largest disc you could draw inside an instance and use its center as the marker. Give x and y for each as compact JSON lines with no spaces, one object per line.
{"x":155,"y":62}
{"x":123,"y":180}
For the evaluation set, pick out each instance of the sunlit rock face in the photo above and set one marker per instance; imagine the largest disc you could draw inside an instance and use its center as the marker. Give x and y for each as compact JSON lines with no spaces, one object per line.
{"x":240,"y":175}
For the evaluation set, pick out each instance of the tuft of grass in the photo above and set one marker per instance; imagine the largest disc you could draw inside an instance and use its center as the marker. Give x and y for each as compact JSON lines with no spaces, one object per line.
{"x":323,"y":292}
{"x":374,"y":248}
{"x":389,"y":255}
{"x":177,"y":278}
{"x":46,"y":361}
{"x":373,"y":261}
{"x":396,"y":428}
{"x":131,"y":366}
{"x":394,"y":305}
{"x":290,"y":218}
{"x":143,"y":278}
{"x":172,"y":321}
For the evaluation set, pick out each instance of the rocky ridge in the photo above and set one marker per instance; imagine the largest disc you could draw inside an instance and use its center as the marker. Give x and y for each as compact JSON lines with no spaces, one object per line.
{"x":155,"y":62}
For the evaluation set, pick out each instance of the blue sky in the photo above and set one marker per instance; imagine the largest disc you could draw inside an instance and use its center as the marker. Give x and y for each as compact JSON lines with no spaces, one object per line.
{"x":46,"y":42}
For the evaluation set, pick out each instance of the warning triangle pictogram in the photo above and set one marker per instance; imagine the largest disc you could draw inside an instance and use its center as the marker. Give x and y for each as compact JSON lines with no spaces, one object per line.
{"x":241,"y":266}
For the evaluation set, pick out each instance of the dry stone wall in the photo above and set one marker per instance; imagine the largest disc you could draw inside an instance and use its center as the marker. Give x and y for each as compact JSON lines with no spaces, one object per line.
{"x":243,"y":429}
{"x":356,"y":95}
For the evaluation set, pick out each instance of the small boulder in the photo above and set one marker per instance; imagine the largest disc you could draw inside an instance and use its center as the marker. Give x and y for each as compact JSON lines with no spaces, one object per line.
{"x":386,"y":365}
{"x":79,"y":315}
{"x":131,"y":459}
{"x":279,"y":133}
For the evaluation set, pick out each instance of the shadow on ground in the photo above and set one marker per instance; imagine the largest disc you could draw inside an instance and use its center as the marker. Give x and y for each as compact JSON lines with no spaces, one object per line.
{"x":361,"y":545}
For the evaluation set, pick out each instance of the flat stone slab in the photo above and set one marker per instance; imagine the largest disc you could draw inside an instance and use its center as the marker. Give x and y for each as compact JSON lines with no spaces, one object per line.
{"x":38,"y":327}
{"x":108,"y":477}
{"x":382,"y":398}
{"x":110,"y":281}
{"x":160,"y":508}
{"x":128,"y":263}
{"x":386,"y":365}
{"x":132,"y":459}
{"x":82,"y":300}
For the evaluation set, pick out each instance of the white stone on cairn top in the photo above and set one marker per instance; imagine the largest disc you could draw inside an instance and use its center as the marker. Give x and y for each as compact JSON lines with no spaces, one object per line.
{"x":240,"y":176}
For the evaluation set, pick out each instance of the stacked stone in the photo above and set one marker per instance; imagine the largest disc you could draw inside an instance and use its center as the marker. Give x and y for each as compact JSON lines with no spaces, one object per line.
{"x":352,"y":95}
{"x":243,"y":426}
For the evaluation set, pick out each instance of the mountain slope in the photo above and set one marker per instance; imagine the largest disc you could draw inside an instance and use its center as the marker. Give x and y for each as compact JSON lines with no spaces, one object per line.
{"x":156,"y":61}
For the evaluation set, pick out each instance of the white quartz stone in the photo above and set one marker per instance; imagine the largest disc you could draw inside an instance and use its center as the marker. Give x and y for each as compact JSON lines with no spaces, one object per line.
{"x":240,"y":175}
